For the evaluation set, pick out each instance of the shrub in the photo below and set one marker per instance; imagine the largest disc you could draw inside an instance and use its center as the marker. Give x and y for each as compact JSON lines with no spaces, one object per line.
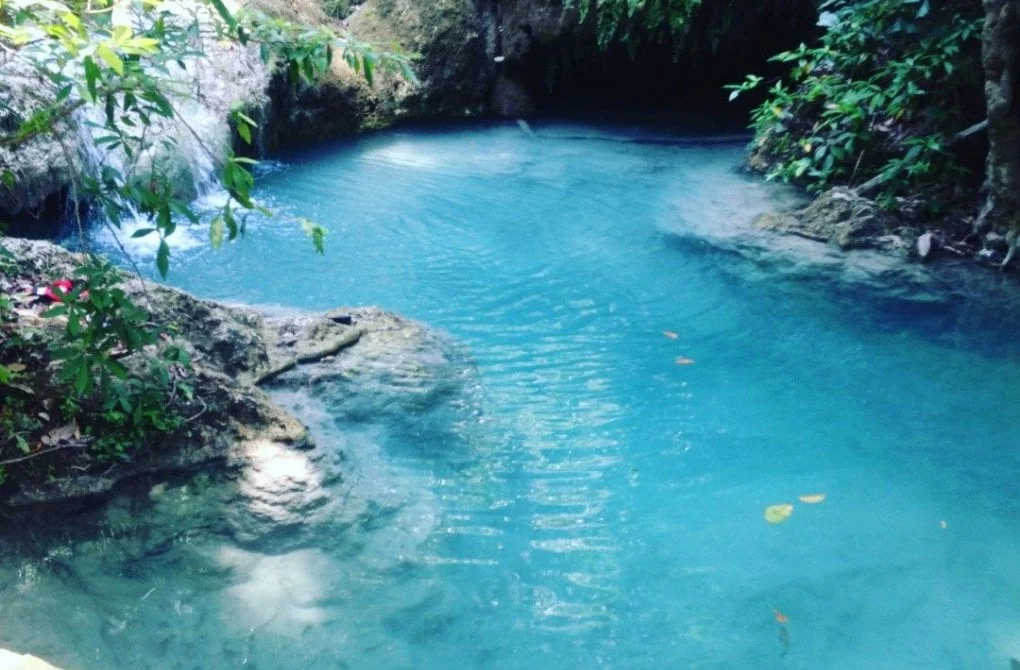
{"x":881,"y":96}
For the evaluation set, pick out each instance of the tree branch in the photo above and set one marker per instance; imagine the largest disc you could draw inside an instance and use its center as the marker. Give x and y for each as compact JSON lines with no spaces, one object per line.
{"x":28,"y":457}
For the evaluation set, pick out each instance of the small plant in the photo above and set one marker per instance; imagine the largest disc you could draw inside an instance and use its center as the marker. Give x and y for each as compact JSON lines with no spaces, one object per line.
{"x":119,"y":405}
{"x":103,"y":326}
{"x":879,"y":98}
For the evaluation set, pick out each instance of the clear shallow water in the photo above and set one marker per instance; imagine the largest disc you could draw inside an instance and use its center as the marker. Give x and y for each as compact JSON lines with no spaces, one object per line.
{"x":573,"y":498}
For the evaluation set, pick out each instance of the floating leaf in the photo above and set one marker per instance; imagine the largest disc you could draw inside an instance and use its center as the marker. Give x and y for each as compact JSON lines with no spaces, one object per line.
{"x":778,"y":513}
{"x":683,"y":360}
{"x":812,"y":498}
{"x":780,"y":617}
{"x":943,"y":524}
{"x":670,"y":334}
{"x":16,"y":367}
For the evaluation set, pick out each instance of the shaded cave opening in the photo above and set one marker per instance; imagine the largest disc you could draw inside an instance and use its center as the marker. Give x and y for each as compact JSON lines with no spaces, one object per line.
{"x":656,"y":81}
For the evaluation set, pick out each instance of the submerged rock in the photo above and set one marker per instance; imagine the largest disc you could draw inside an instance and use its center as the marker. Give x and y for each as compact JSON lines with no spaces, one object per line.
{"x":840,"y":216}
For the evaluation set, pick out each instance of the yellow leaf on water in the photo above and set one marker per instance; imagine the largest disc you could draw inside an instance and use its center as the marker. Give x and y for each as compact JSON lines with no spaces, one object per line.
{"x":812,"y":499}
{"x":16,"y":367}
{"x":683,"y":360}
{"x":670,"y":334}
{"x":778,"y":513}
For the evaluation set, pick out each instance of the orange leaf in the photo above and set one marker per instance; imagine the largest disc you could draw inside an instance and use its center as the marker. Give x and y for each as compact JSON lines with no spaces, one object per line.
{"x":780,"y":617}
{"x":812,"y":499}
{"x":670,"y":334}
{"x":683,"y":360}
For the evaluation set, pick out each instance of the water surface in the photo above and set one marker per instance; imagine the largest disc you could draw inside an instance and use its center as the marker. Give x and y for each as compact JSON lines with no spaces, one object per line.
{"x":574,"y":498}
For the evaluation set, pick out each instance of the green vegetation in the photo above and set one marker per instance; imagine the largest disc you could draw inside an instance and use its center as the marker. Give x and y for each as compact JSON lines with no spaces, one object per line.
{"x":123,"y":68}
{"x":632,"y":21}
{"x":116,"y":377}
{"x":879,"y":99}
{"x":338,"y":9}
{"x":126,"y":61}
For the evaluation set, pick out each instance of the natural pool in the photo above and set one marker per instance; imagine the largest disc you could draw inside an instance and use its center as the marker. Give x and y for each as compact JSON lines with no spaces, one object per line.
{"x":570,"y":497}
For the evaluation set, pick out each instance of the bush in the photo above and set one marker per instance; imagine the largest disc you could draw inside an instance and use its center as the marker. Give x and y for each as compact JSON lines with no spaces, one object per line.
{"x":106,"y":383}
{"x":881,"y":97}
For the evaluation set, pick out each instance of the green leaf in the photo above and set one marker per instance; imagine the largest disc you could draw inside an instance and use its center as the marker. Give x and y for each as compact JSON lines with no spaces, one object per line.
{"x":369,"y":63}
{"x":142,"y":232}
{"x":82,"y":380}
{"x":164,"y":221}
{"x":228,"y":218}
{"x":111,"y":58}
{"x":163,"y":258}
{"x":92,"y":75}
{"x":216,"y":230}
{"x":317,"y":233}
{"x":244,"y":131}
{"x":224,"y":13}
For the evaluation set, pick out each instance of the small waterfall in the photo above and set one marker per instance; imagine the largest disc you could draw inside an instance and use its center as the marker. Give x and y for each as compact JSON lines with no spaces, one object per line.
{"x":199,"y":136}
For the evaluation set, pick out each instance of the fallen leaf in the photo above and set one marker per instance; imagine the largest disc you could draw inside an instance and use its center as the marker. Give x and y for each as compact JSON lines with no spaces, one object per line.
{"x":778,"y":513}
{"x":16,"y":367}
{"x":683,"y":360}
{"x":943,"y":524}
{"x":780,"y":617}
{"x":812,"y":499}
{"x":670,"y":334}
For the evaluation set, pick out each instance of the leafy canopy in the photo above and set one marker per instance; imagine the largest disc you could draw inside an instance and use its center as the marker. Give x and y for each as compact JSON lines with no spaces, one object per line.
{"x":881,"y":96}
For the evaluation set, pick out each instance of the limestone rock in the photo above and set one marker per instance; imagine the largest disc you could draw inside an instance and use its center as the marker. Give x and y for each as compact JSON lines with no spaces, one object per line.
{"x":41,"y":166}
{"x":454,"y":71}
{"x":840,"y":216}
{"x":927,"y":244}
{"x":10,"y":660}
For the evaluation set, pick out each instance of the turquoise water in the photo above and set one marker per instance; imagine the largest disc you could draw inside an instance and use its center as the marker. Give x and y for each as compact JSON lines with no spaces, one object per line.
{"x":572,"y":497}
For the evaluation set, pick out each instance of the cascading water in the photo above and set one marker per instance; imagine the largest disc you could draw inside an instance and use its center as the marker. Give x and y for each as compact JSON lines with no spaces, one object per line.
{"x":188,"y":148}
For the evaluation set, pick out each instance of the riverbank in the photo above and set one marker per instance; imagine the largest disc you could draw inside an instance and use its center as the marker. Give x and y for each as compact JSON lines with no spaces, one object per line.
{"x":225,"y":415}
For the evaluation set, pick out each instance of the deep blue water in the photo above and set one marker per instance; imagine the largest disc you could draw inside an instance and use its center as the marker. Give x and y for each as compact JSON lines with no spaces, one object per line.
{"x":585,"y":501}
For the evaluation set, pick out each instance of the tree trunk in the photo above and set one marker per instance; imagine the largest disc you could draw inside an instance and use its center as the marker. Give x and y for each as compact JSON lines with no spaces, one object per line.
{"x":1001,"y":59}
